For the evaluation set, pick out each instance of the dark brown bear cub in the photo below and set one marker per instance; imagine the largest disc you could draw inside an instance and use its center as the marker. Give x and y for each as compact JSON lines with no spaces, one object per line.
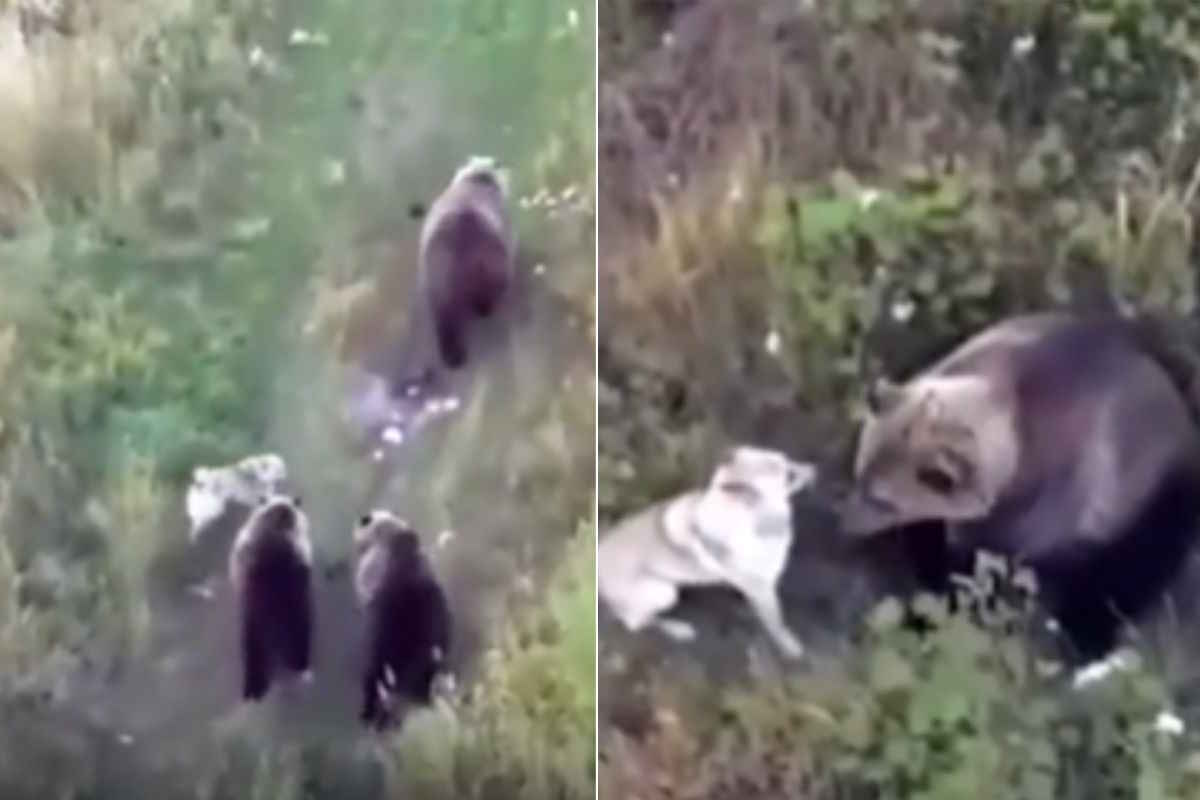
{"x":270,"y":567}
{"x":408,"y":620}
{"x":466,"y":255}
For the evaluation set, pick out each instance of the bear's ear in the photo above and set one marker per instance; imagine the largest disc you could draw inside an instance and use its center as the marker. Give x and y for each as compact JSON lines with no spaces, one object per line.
{"x":298,"y":501}
{"x":364,"y":520}
{"x":262,"y":499}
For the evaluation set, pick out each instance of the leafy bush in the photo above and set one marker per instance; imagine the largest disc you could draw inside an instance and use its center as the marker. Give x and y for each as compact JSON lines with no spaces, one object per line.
{"x":967,"y":709}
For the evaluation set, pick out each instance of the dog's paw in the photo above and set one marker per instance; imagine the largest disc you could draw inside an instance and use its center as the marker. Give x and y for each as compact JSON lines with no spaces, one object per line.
{"x":791,"y":648}
{"x":677,"y":629}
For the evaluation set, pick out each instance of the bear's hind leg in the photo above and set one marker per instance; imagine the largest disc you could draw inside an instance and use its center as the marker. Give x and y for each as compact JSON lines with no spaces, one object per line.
{"x":256,"y":678}
{"x":450,"y":337}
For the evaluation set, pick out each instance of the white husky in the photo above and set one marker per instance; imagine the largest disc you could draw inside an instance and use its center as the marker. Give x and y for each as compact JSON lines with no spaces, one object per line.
{"x":243,"y":483}
{"x":737,"y":532}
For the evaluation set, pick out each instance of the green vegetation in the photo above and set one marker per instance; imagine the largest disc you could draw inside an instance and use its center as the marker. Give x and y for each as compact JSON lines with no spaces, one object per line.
{"x":861,"y":184}
{"x":528,"y":728}
{"x":189,"y":193}
{"x":972,"y":710}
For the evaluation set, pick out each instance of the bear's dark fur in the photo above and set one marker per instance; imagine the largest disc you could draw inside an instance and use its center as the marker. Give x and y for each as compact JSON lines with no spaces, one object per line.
{"x":408,"y":621}
{"x":466,"y":257}
{"x":270,"y":568}
{"x":1091,"y":396}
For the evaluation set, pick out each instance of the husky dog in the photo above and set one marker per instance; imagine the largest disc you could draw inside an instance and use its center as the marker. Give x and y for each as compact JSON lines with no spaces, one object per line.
{"x":1056,"y":441}
{"x":737,"y":531}
{"x":213,"y":489}
{"x":270,"y":567}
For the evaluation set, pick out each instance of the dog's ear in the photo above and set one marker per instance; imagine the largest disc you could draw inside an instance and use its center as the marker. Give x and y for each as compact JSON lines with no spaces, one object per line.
{"x":882,"y":396}
{"x":740,"y":490}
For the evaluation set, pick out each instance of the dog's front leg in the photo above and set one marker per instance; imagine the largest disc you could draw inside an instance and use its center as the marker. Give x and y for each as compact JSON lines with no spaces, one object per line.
{"x":765,"y":601}
{"x":701,"y":548}
{"x":676,"y":629}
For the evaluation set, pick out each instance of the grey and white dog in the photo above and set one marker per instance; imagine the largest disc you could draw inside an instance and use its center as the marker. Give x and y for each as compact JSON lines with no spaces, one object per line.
{"x":736,"y":532}
{"x":245,"y":483}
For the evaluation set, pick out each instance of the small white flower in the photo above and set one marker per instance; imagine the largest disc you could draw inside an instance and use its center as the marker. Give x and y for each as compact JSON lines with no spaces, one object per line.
{"x":867,"y":198}
{"x":334,"y":172}
{"x":444,"y":538}
{"x":668,"y":39}
{"x":202,"y":590}
{"x":773,"y":343}
{"x":392,"y":435}
{"x":572,"y":18}
{"x":903,"y":309}
{"x":1168,"y":723}
{"x":1023,"y":45}
{"x":302,"y":37}
{"x":540,"y":269}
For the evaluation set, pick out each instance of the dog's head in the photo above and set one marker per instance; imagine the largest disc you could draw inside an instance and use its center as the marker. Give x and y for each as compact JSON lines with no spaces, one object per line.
{"x":760,"y":479}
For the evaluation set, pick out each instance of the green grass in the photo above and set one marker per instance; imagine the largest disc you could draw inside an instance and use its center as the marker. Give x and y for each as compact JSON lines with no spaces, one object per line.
{"x":167,"y":253}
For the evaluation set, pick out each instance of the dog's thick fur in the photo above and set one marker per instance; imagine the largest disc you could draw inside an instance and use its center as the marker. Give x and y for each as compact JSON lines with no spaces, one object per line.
{"x":214,"y":489}
{"x":737,"y":532}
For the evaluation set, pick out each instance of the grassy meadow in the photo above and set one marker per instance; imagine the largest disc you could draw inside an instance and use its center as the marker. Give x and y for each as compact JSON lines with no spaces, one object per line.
{"x":207,"y":211}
